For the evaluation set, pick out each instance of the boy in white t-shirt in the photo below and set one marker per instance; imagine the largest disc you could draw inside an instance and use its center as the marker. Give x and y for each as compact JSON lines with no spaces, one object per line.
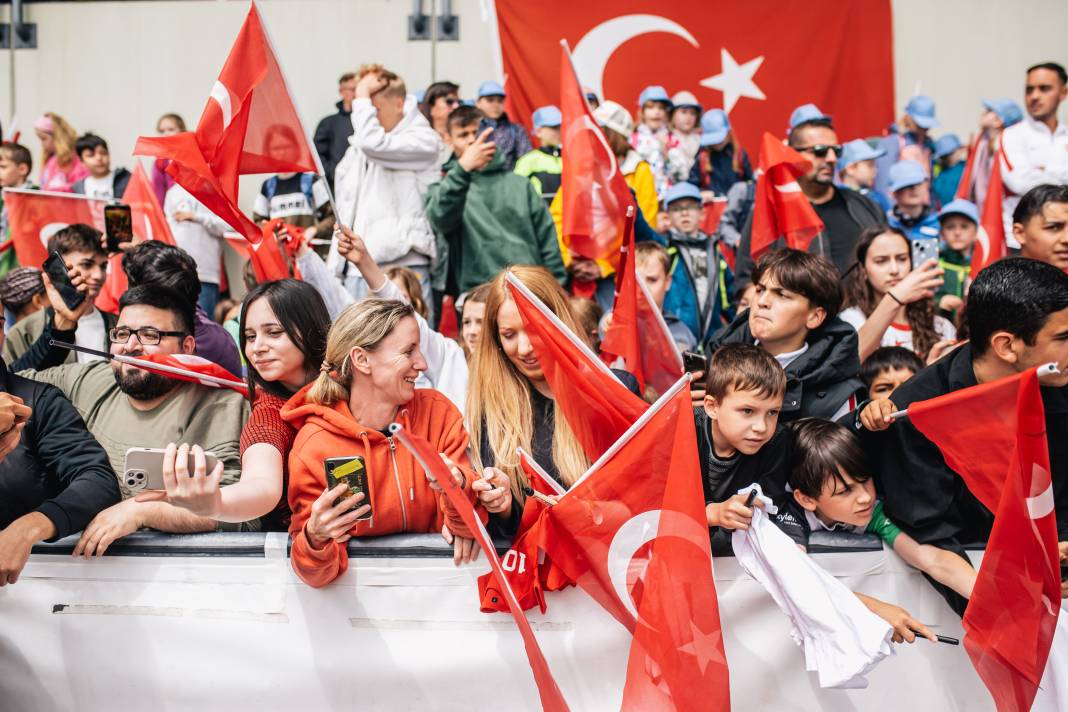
{"x":102,"y":182}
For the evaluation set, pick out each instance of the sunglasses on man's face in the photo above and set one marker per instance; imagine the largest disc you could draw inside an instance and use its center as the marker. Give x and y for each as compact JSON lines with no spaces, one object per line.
{"x":820,"y":150}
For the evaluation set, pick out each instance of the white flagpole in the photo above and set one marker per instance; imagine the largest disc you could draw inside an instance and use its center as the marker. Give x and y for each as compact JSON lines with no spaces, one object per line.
{"x":1046,"y":369}
{"x":525,"y":457}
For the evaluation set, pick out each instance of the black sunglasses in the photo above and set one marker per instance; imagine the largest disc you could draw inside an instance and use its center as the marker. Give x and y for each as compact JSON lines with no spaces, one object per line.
{"x":820,"y":150}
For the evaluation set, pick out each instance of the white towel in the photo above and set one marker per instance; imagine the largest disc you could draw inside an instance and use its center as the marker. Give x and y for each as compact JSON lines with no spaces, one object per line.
{"x":1053,"y":690}
{"x":841,"y":638}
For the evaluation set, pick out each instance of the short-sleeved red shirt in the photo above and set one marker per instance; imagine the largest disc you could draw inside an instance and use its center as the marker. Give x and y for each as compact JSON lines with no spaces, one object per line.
{"x":265,"y":425}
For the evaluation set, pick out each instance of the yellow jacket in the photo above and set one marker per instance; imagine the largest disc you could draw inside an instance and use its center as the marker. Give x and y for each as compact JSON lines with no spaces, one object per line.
{"x":639,"y":178}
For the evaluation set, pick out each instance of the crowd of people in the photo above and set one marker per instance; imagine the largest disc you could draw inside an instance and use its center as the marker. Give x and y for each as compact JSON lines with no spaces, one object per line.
{"x":427,"y":203}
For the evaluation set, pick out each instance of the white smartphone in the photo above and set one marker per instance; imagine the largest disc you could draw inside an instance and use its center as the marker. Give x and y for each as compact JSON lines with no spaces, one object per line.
{"x":144,"y":468}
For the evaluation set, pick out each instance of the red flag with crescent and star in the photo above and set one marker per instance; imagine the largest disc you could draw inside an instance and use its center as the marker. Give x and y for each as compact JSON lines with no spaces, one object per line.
{"x":643,"y":553}
{"x":990,"y":244}
{"x":756,"y":60}
{"x":249,"y":125}
{"x":999,"y":449}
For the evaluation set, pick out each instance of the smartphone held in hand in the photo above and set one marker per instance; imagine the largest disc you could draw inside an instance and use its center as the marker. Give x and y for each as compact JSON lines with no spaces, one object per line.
{"x":352,"y":471}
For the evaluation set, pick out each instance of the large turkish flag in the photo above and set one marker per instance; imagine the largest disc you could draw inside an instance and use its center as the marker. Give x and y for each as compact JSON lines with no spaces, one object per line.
{"x":757,"y":60}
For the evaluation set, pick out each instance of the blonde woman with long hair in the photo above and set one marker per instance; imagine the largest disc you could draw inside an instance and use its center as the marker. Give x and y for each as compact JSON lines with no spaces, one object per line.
{"x":60,"y":167}
{"x":510,"y":404}
{"x":366,"y":382}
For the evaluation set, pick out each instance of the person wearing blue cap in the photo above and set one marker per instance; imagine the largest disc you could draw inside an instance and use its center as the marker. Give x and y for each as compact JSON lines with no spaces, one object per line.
{"x":950,"y":156}
{"x":1036,"y":149}
{"x":512,"y":139}
{"x":702,"y":283}
{"x":544,"y":165}
{"x":652,"y":138}
{"x":912,"y":212}
{"x":856,"y":170}
{"x":908,"y":140}
{"x":722,"y":161}
{"x":959,"y":220}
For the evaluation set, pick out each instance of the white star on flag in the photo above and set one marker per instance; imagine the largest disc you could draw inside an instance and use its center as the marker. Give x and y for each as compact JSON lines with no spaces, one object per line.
{"x":735,"y":80}
{"x":704,"y":647}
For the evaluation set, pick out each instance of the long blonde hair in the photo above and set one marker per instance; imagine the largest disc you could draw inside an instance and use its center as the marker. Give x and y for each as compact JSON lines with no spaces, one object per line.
{"x":64,"y":136}
{"x":498,"y":395}
{"x":364,"y":324}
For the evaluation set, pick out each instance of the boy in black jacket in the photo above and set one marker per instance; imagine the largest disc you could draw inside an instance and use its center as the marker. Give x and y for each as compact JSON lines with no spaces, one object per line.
{"x":793,"y":317}
{"x":740,"y":441}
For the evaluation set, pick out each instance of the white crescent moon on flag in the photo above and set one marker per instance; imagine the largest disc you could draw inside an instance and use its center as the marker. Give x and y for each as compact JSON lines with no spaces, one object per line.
{"x":1041,"y":504}
{"x":221,"y":95}
{"x":596,"y":47}
{"x":984,"y":242}
{"x":635,"y":533}
{"x":791,"y":187}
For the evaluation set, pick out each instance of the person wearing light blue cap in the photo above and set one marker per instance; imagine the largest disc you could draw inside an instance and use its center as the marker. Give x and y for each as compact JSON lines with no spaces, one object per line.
{"x":701,"y":281}
{"x":544,"y":165}
{"x":909,"y":139}
{"x":652,"y":138}
{"x":912,"y":212}
{"x":951,"y":156}
{"x":856,"y":170}
{"x":722,"y":162}
{"x":512,"y":139}
{"x":959,"y":221}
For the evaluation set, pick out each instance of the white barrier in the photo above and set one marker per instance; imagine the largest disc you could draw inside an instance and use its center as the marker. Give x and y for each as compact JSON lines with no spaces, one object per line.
{"x":398,"y":632}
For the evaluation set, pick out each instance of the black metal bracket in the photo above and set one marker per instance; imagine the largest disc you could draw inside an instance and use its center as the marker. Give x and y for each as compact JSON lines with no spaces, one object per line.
{"x":25,"y":36}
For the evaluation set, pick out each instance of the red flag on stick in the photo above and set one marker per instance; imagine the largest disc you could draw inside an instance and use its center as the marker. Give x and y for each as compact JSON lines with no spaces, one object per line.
{"x":990,"y":245}
{"x":643,"y":553}
{"x":149,"y":221}
{"x":268,"y":262}
{"x":638,"y":336}
{"x":712,"y":213}
{"x":35,"y":215}
{"x":248,"y":126}
{"x":780,"y":208}
{"x":595,"y":196}
{"x":964,"y":188}
{"x":552,"y":700}
{"x":593,"y":401}
{"x":1000,"y":451}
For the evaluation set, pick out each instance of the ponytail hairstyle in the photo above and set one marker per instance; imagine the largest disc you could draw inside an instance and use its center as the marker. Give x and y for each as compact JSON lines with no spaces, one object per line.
{"x":498,"y":408}
{"x":859,"y":292}
{"x":362,"y":325}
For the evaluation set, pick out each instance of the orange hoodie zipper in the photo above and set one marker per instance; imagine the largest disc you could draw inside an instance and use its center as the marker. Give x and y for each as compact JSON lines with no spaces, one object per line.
{"x":396,"y":478}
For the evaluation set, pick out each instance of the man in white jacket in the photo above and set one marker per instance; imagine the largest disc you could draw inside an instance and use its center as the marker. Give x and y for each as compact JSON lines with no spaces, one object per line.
{"x":393,"y":156}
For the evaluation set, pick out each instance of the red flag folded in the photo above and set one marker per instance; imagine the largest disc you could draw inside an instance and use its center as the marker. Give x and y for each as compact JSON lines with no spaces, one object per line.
{"x":149,"y":221}
{"x":964,"y":187}
{"x":595,"y":195}
{"x":638,"y":336}
{"x":712,"y":213}
{"x":780,"y":208}
{"x":990,"y":245}
{"x":552,"y":699}
{"x":999,"y":449}
{"x":248,"y":126}
{"x":643,"y":553}
{"x":187,"y":367}
{"x":593,"y":401}
{"x":266,"y":256}
{"x":529,"y":572}
{"x":35,"y":215}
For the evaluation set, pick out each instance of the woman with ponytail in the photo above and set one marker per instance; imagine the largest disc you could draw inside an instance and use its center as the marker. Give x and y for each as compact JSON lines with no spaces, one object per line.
{"x":891,"y":304}
{"x":366,"y":382}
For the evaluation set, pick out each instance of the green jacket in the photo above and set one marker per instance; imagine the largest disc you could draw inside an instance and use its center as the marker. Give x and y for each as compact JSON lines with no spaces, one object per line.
{"x":491,"y":219}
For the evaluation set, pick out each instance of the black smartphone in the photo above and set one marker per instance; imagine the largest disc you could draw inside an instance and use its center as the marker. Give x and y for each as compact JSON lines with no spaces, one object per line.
{"x":56,"y":269}
{"x":695,"y":363}
{"x":352,"y":471}
{"x":118,"y":225}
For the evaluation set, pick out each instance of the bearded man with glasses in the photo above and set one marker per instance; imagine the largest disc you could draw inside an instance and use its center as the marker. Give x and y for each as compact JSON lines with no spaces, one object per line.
{"x":845,"y":213}
{"x":125,"y":407}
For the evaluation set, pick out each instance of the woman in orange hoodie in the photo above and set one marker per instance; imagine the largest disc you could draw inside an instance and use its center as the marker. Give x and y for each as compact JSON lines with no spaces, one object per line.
{"x":367,"y":382}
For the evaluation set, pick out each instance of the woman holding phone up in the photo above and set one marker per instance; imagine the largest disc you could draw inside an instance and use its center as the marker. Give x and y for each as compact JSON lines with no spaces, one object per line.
{"x":283,"y":337}
{"x":365,"y":383}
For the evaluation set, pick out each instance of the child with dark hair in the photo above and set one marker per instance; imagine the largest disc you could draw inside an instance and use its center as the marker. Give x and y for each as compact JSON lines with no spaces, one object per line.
{"x":16,"y":164}
{"x":489,"y":216}
{"x":833,"y":486}
{"x":22,"y":293}
{"x":739,"y":439}
{"x":102,"y":182}
{"x":1040,"y":225}
{"x":887,"y":368}
{"x":792,"y":317}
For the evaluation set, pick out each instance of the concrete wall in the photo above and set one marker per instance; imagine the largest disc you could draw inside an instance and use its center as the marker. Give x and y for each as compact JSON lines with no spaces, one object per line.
{"x":114,"y":67}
